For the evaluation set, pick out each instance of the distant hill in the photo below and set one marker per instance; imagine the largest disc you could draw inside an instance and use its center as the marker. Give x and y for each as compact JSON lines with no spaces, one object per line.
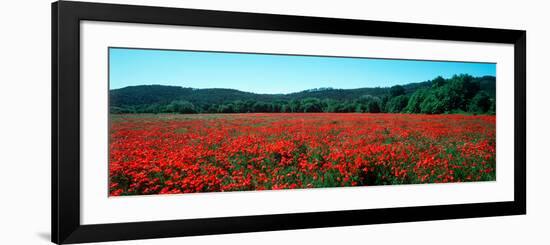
{"x":134,"y":98}
{"x":161,"y":94}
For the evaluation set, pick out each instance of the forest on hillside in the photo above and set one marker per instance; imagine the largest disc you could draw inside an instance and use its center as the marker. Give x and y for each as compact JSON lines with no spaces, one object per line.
{"x":458,"y":94}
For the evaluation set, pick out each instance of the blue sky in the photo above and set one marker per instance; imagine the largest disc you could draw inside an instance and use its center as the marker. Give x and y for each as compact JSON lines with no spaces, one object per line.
{"x":263,"y":73}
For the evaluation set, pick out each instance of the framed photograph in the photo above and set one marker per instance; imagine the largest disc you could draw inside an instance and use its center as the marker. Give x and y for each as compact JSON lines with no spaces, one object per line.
{"x":177,"y":122}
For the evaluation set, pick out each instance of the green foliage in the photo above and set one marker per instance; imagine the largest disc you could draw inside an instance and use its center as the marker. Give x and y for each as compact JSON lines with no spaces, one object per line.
{"x":261,"y":107}
{"x":181,"y":106}
{"x":228,"y":108}
{"x":369,"y":103}
{"x":432,"y":105}
{"x":452,"y":95}
{"x":458,"y":94}
{"x":413,"y":105}
{"x":311,"y":105}
{"x":373,"y":107}
{"x":438,"y":82}
{"x":397,"y":90}
{"x":397,"y":104}
{"x":481,"y":103}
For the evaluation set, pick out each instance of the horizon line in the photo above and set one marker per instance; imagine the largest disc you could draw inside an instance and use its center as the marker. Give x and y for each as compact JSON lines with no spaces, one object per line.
{"x":326,"y":88}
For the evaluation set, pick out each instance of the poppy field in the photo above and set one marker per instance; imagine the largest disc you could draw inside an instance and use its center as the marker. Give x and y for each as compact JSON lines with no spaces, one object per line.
{"x":186,"y":153}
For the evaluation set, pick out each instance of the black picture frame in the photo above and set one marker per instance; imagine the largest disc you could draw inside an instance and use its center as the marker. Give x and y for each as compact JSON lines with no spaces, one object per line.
{"x":65,"y":140}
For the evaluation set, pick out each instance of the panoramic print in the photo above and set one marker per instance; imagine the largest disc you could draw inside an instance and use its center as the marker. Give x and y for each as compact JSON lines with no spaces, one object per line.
{"x":204,"y":121}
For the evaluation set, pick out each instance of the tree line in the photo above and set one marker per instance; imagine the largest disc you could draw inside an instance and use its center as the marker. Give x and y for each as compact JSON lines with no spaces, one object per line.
{"x":458,"y":94}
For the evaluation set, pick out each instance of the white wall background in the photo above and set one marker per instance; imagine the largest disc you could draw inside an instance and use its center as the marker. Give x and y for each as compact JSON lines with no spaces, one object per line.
{"x":25,"y":121}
